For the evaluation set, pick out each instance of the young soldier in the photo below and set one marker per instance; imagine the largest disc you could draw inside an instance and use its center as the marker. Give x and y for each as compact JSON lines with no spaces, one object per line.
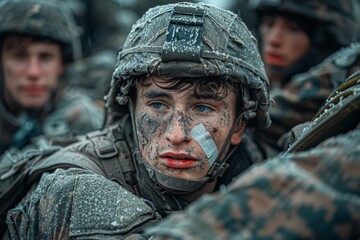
{"x":295,"y":36}
{"x":37,"y":42}
{"x":188,"y":80}
{"x":310,"y":192}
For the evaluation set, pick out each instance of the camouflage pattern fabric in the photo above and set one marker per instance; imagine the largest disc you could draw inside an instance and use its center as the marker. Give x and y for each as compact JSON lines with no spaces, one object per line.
{"x":305,"y":93}
{"x":306,"y":195}
{"x":74,"y":114}
{"x":79,"y":195}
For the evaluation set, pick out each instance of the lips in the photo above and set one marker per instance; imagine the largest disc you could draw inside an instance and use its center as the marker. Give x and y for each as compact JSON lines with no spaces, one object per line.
{"x":33,"y":90}
{"x":274,"y":59}
{"x":178,"y":160}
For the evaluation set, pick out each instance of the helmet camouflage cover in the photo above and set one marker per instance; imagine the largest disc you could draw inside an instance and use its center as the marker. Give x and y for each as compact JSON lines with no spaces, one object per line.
{"x":43,"y":18}
{"x":337,"y":16}
{"x":192,"y":40}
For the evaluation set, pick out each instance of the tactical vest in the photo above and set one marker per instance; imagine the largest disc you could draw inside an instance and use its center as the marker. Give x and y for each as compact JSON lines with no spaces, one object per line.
{"x":20,"y":170}
{"x":105,"y":152}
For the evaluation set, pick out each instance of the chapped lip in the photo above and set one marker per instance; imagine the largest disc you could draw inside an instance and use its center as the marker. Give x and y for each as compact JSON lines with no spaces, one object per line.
{"x":178,"y":156}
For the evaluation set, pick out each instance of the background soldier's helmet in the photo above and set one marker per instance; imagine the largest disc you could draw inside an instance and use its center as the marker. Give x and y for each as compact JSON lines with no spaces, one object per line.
{"x":331,"y":24}
{"x":192,"y":40}
{"x":336,"y":16}
{"x":43,"y":18}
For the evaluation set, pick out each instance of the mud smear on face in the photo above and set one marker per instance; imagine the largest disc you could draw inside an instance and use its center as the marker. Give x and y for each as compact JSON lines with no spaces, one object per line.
{"x":146,"y":126}
{"x":182,"y":121}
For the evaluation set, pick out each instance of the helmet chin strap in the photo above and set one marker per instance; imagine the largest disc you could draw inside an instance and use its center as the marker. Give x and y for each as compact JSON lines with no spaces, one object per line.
{"x":182,"y":185}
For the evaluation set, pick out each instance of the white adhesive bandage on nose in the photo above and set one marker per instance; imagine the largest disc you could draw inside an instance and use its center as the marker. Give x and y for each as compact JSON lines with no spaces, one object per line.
{"x":204,"y":139}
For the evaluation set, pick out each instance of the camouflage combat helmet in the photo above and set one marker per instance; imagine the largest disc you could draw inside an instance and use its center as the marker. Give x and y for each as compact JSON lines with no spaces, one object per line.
{"x":191,"y":40}
{"x":42,"y":18}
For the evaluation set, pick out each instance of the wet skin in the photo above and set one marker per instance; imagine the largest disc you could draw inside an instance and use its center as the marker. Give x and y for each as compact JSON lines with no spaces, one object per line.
{"x":164,"y":120}
{"x":31,"y":72}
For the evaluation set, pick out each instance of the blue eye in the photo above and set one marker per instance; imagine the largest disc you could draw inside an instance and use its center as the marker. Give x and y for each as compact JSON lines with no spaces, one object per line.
{"x":157,"y":105}
{"x":203,"y":108}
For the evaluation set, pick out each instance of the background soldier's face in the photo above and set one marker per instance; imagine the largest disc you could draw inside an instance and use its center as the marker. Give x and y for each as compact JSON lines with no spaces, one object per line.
{"x":31,"y":71}
{"x":165,"y":119}
{"x":283,"y":41}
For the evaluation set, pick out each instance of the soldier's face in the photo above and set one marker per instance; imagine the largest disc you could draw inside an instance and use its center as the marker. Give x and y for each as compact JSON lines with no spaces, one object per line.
{"x":283,"y":41}
{"x":168,"y":128}
{"x":31,"y":71}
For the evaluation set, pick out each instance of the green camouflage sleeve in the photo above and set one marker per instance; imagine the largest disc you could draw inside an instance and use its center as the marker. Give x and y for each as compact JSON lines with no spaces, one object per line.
{"x":305,"y":93}
{"x":305,"y":195}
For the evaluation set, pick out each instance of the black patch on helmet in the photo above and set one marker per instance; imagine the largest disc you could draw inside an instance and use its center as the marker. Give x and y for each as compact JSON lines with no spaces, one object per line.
{"x":184,"y":38}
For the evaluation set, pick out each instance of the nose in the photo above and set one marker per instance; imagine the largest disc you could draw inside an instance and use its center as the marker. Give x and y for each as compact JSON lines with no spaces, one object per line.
{"x":33,"y":68}
{"x":178,"y":130}
{"x":274,"y":36}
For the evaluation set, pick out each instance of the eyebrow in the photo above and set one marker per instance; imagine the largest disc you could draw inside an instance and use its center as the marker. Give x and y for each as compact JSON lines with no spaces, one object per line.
{"x":206,"y":96}
{"x":156,"y":94}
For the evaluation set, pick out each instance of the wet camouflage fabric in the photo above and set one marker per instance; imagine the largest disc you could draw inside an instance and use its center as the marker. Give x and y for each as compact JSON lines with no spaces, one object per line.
{"x":74,"y":114}
{"x":304,"y":94}
{"x":79,"y":203}
{"x":305,"y":195}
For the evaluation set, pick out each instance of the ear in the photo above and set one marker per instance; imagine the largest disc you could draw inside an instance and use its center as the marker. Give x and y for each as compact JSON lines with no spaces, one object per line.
{"x":237,"y":134}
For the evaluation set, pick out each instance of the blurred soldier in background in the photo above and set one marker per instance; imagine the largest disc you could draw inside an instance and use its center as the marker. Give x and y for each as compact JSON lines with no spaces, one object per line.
{"x":294,"y":36}
{"x":38,"y":40}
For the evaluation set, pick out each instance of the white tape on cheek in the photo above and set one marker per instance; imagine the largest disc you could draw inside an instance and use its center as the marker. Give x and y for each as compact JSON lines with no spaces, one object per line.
{"x":204,"y":139}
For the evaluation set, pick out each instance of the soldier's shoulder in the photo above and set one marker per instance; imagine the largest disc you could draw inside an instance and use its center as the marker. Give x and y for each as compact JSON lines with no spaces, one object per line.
{"x":337,"y":66}
{"x":87,"y":203}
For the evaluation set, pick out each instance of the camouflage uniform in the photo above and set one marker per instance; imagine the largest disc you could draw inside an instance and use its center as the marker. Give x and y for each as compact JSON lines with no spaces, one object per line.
{"x":310,"y":192}
{"x":69,"y":111}
{"x":301,"y":94}
{"x":103,"y":188}
{"x":301,"y":98}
